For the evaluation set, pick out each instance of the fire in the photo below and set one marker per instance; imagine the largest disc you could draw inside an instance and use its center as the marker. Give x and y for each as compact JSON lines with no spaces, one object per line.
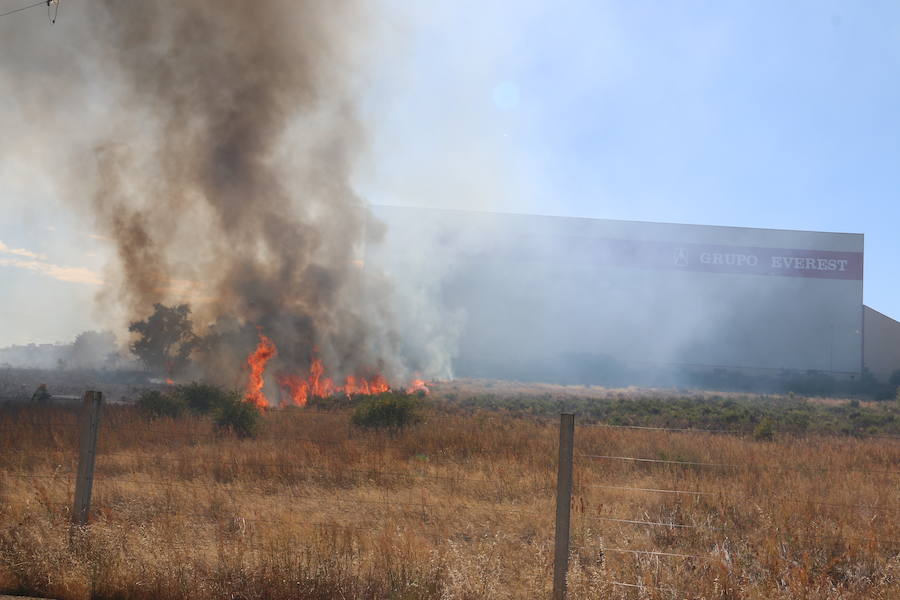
{"x":170,"y":381}
{"x":296,"y":386}
{"x":257,"y":363}
{"x":417,"y":385}
{"x":378,"y":385}
{"x":317,"y":384}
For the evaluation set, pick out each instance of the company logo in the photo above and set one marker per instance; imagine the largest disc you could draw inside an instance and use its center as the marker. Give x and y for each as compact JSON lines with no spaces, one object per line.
{"x":681,"y":259}
{"x":729,"y":258}
{"x":803,"y":263}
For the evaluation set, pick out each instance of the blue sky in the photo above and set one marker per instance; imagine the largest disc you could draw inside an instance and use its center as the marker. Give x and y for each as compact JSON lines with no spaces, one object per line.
{"x":756,"y":114}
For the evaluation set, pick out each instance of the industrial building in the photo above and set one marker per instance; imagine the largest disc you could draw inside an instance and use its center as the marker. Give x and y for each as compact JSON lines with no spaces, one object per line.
{"x":585,"y":300}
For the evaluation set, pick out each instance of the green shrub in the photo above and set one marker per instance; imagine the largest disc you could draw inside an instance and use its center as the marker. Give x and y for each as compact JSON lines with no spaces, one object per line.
{"x":765,"y":430}
{"x":237,"y":416}
{"x":157,"y":404}
{"x":203,"y":398}
{"x":390,"y":410}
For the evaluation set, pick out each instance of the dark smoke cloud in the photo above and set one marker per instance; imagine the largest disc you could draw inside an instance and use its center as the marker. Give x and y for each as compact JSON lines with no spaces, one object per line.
{"x":223,"y":176}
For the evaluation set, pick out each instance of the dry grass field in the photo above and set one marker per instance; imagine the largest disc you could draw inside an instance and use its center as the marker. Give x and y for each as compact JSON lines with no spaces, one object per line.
{"x":460,"y":506}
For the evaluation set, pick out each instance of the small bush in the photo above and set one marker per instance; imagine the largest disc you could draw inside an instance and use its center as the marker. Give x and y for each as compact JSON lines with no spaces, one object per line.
{"x":390,"y":410}
{"x":203,"y":398}
{"x":765,"y":431}
{"x":157,"y":404}
{"x":237,"y":416}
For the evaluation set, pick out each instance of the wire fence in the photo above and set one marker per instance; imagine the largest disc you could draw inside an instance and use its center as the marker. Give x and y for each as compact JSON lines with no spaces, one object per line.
{"x":153,"y":476}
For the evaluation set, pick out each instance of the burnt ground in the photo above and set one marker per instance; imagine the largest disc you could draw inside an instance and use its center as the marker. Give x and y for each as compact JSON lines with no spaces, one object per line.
{"x":17,"y":384}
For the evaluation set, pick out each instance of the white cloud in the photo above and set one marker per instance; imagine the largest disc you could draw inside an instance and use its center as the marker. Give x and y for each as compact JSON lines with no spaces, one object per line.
{"x":20,"y":258}
{"x":4,"y":249}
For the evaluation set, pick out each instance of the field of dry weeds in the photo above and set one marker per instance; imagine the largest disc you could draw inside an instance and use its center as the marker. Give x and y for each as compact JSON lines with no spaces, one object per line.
{"x":457,"y":507}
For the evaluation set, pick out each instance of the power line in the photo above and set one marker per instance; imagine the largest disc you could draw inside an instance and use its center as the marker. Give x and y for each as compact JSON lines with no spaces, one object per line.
{"x":15,"y":10}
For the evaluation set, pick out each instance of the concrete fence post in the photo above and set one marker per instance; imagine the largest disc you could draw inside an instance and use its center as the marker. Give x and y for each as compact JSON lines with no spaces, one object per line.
{"x":563,"y":504}
{"x":89,"y":422}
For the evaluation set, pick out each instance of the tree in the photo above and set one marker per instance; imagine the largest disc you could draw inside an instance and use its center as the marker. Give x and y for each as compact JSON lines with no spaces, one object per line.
{"x":91,"y":349}
{"x":166,"y":339}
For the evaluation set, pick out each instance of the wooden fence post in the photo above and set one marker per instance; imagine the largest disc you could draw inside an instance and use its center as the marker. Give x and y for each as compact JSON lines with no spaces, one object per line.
{"x":563,"y":504}
{"x":87,"y":452}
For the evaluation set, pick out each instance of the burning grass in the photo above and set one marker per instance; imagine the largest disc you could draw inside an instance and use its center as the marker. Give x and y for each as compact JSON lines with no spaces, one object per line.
{"x":456,"y":507}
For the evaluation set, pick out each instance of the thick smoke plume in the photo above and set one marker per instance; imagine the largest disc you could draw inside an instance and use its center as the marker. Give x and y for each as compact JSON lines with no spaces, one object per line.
{"x":223,"y":179}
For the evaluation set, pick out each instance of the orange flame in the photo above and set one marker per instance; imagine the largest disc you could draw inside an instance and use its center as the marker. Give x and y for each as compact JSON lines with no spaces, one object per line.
{"x":169,"y":381}
{"x":378,"y":385}
{"x":296,"y":386}
{"x":417,"y":385}
{"x":299,"y":388}
{"x":257,"y":363}
{"x":317,"y":384}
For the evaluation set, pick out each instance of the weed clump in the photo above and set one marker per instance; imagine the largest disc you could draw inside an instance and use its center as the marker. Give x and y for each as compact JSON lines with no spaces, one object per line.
{"x":227,"y":408}
{"x":156,"y":404}
{"x":765,"y":431}
{"x":203,"y":398}
{"x":239,"y":417}
{"x":390,"y":410}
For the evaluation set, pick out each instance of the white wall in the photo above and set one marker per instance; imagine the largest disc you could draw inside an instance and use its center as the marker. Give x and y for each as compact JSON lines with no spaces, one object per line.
{"x":536,"y":292}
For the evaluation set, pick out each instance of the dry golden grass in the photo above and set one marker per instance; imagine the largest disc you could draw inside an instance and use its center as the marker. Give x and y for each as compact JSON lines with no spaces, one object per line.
{"x":459,"y":507}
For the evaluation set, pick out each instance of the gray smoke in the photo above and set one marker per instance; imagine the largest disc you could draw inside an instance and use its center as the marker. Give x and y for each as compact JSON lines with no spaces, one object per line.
{"x":222,"y":170}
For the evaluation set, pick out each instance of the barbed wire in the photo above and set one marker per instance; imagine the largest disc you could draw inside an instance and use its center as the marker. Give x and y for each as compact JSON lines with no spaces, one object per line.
{"x":226,"y":435}
{"x":295,"y":496}
{"x":270,"y":521}
{"x":641,"y":586}
{"x":644,"y":523}
{"x":667,"y":429}
{"x":841,"y":434}
{"x":653,"y":553}
{"x":738,"y":466}
{"x":294,"y":466}
{"x":650,"y":523}
{"x":727,"y":495}
{"x":30,"y":476}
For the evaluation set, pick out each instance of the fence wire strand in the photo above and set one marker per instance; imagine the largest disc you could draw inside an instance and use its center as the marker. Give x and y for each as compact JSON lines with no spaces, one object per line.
{"x":734,"y":496}
{"x":688,"y":463}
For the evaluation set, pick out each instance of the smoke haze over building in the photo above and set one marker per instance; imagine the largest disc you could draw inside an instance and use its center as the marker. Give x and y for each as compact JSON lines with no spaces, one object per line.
{"x":222,"y":173}
{"x":224,"y":155}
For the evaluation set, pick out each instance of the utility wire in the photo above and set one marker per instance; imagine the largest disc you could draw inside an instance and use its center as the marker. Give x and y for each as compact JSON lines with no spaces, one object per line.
{"x":15,"y":10}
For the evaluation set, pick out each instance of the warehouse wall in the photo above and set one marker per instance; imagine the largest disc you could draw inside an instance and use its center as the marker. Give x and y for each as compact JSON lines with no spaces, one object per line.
{"x":561,"y":299}
{"x":882,"y":343}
